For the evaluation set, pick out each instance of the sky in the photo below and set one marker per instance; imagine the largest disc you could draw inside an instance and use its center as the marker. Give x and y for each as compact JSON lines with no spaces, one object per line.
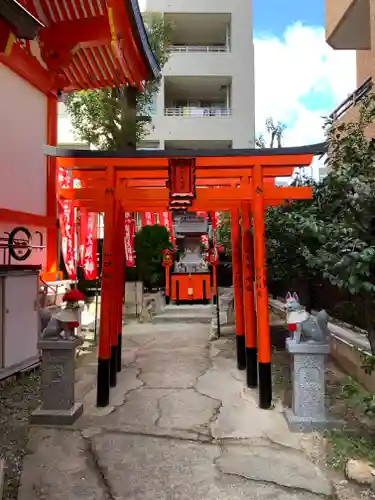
{"x":298,"y":78}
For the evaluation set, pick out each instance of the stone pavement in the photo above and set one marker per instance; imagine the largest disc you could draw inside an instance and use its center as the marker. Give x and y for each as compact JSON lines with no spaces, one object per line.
{"x":181,"y":426}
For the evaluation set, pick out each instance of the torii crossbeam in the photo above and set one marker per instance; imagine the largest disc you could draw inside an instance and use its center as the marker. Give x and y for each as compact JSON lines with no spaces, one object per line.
{"x":239,"y":181}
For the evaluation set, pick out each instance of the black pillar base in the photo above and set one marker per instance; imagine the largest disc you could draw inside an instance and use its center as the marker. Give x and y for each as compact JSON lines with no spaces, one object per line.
{"x":251,"y":367}
{"x":241,"y":354}
{"x":265,"y":386}
{"x":119,"y":352}
{"x":102,"y":387}
{"x":214,"y":299}
{"x":167,"y":299}
{"x":113,"y":367}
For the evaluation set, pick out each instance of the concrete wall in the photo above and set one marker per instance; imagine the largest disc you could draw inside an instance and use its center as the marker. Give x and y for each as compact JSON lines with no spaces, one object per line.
{"x":349,"y":358}
{"x":334,"y":13}
{"x":23,"y":135}
{"x":23,"y":164}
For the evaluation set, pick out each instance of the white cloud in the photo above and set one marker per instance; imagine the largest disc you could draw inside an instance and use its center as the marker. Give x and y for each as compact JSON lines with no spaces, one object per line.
{"x":288,"y":69}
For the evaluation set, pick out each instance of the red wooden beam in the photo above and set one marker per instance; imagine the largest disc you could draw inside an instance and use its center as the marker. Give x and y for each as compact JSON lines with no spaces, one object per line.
{"x":203,"y":195}
{"x":27,"y":67}
{"x":86,"y":32}
{"x":26,"y":218}
{"x":162,"y":173}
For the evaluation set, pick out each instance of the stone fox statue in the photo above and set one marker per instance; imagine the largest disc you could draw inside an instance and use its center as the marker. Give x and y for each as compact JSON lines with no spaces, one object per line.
{"x":307,"y":327}
{"x":62,"y":325}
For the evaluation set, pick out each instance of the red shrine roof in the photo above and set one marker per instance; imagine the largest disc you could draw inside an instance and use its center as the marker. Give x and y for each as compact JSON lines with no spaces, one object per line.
{"x":88,"y":44}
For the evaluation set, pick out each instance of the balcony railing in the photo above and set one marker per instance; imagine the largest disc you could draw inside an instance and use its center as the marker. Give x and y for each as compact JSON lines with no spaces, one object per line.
{"x":197,"y":112}
{"x":199,"y":48}
{"x":353,"y":99}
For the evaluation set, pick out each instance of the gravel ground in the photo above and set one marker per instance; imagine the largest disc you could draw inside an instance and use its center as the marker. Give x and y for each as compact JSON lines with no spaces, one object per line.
{"x":18,"y":398}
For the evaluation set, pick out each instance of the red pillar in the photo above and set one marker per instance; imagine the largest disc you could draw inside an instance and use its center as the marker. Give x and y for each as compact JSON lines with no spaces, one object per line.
{"x":248,"y":298}
{"x":51,"y":203}
{"x":121,"y":229}
{"x":264,"y":343}
{"x":116,"y":303}
{"x":167,"y":284}
{"x":237,"y":288}
{"x":108,"y":282}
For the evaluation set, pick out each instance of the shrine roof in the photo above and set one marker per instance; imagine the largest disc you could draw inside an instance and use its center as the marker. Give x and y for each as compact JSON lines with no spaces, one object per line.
{"x":89,"y":44}
{"x":313,"y":149}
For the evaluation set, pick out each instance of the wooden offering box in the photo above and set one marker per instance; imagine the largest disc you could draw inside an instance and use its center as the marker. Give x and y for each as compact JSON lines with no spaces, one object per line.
{"x":191,"y":287}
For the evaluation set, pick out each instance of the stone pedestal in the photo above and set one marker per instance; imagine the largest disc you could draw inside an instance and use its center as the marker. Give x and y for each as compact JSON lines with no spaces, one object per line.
{"x":308,"y":410}
{"x":133,"y":298}
{"x":58,"y":367}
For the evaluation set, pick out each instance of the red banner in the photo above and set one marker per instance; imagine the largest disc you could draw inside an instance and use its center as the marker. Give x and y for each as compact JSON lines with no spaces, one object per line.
{"x":82,"y":235}
{"x":148,"y":219}
{"x":205,"y":241}
{"x":166,"y":220}
{"x":129,"y":239}
{"x":89,"y":260}
{"x":66,"y":218}
{"x":216,"y":219}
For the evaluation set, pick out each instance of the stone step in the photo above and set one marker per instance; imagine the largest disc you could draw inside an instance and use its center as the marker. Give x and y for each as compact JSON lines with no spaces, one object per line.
{"x":199,"y":308}
{"x":172,"y":318}
{"x":185,"y":314}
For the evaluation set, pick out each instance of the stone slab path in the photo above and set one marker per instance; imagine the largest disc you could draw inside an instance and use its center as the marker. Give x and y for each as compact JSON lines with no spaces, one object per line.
{"x":181,"y":426}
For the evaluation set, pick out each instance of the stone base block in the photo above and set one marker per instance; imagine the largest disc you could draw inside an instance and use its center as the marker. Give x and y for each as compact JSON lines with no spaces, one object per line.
{"x":56,"y":417}
{"x":307,"y":424}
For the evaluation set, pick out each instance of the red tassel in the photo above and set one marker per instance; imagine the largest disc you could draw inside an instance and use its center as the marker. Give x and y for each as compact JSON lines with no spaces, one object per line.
{"x":73,"y":296}
{"x":73,"y":324}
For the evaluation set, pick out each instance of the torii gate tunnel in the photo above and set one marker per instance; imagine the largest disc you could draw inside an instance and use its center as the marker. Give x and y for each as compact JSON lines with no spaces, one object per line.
{"x":239,"y":181}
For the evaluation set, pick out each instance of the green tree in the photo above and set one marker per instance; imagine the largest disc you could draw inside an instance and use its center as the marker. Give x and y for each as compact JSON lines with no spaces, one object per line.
{"x":275,"y":131}
{"x":224,"y":235}
{"x":103,"y":118}
{"x":149,"y":244}
{"x":346,"y":255}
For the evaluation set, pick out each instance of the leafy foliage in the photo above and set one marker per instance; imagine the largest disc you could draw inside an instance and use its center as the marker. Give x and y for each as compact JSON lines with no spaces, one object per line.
{"x":275,"y":131}
{"x":333,"y":235}
{"x":102,"y":118}
{"x":223,"y":234}
{"x":149,"y":244}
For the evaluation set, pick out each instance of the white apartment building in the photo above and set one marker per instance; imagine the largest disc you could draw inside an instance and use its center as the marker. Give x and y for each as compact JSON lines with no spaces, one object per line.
{"x":206,"y":97}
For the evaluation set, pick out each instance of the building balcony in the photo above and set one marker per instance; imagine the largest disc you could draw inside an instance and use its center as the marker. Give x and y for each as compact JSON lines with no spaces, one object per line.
{"x":348,"y":24}
{"x":346,"y":109}
{"x":187,"y":131}
{"x":205,"y":60}
{"x":200,"y":49}
{"x":197,"y":112}
{"x":200,"y":45}
{"x":199,"y":29}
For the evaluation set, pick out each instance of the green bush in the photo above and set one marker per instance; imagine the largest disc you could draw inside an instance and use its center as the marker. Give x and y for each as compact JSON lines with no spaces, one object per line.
{"x":149,"y":244}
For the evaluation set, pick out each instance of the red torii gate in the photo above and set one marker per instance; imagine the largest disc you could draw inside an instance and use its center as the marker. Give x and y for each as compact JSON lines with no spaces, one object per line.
{"x":114,"y":183}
